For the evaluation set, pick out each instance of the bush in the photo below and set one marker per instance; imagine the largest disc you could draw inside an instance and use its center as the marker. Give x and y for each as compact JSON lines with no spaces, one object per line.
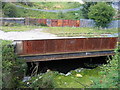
{"x":102,"y":13}
{"x":85,"y":9}
{"x":13,"y":69}
{"x":109,"y":74}
{"x":41,"y":81}
{"x":10,"y":10}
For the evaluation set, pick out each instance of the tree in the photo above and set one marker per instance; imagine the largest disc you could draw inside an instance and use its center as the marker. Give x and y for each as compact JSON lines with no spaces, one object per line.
{"x":86,"y":7}
{"x":102,"y":13}
{"x":10,"y":10}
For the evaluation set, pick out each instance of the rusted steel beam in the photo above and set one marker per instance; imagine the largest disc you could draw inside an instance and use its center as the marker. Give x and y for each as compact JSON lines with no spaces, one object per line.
{"x":68,"y":45}
{"x":65,"y":48}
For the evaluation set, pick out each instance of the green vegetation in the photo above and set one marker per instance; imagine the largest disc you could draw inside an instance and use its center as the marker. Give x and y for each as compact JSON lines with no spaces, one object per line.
{"x":49,"y":15}
{"x":18,"y":28}
{"x":73,"y":31}
{"x":85,"y":9}
{"x":10,"y":10}
{"x":102,"y":14}
{"x":13,"y":69}
{"x":21,"y":12}
{"x":105,"y":76}
{"x":109,"y":74}
{"x":54,"y":79}
{"x":50,"y":5}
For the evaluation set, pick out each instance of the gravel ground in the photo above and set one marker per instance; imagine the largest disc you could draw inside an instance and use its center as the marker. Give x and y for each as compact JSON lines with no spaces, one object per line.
{"x":35,"y":34}
{"x":25,"y":35}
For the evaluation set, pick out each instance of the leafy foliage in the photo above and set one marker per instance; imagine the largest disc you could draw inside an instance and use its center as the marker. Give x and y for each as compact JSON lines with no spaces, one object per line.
{"x":41,"y":81}
{"x":13,"y":68}
{"x":85,"y":9}
{"x":102,"y":13}
{"x":10,"y":10}
{"x":109,"y":74}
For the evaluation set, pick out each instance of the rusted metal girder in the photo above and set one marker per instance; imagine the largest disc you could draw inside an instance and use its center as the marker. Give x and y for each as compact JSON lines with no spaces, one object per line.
{"x":65,"y":48}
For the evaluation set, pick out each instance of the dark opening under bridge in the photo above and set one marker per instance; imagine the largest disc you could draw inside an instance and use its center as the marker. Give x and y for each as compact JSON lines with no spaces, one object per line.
{"x":65,"y":48}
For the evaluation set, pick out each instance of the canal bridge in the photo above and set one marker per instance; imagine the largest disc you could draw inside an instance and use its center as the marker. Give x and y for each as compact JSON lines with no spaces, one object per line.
{"x":65,"y":48}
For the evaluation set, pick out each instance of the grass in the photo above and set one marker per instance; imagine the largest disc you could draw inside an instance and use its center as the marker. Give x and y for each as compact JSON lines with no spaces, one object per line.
{"x":53,"y":5}
{"x":72,"y":81}
{"x":18,"y":28}
{"x":50,"y":15}
{"x":64,"y":31}
{"x":60,"y":80}
{"x":73,"y":31}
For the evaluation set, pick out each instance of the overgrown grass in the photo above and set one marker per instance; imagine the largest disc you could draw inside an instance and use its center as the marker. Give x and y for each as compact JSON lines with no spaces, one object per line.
{"x":53,"y":79}
{"x":18,"y":28}
{"x":53,"y":5}
{"x":109,"y":74}
{"x":49,"y":15}
{"x":79,"y":31}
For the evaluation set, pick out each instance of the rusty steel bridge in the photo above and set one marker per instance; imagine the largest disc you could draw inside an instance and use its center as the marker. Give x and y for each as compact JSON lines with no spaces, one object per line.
{"x":65,"y":48}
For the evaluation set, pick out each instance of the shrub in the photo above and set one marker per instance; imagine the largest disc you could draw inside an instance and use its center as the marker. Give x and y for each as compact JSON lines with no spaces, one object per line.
{"x":109,"y":74}
{"x":13,"y":69}
{"x":10,"y":10}
{"x":85,"y":9}
{"x":102,"y":13}
{"x":41,"y":81}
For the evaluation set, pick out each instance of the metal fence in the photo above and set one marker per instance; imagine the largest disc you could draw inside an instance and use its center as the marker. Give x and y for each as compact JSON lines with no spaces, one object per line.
{"x":59,"y":22}
{"x":91,"y":23}
{"x":13,"y":20}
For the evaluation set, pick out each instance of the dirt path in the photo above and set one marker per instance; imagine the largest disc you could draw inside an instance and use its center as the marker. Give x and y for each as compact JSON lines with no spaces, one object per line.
{"x":25,"y":35}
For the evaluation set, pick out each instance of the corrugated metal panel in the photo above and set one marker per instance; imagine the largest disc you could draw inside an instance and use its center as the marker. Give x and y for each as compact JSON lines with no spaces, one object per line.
{"x":65,"y":23}
{"x":42,"y":21}
{"x":48,"y":22}
{"x":60,"y":23}
{"x":77,"y":23}
{"x":54,"y":22}
{"x":71,"y":23}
